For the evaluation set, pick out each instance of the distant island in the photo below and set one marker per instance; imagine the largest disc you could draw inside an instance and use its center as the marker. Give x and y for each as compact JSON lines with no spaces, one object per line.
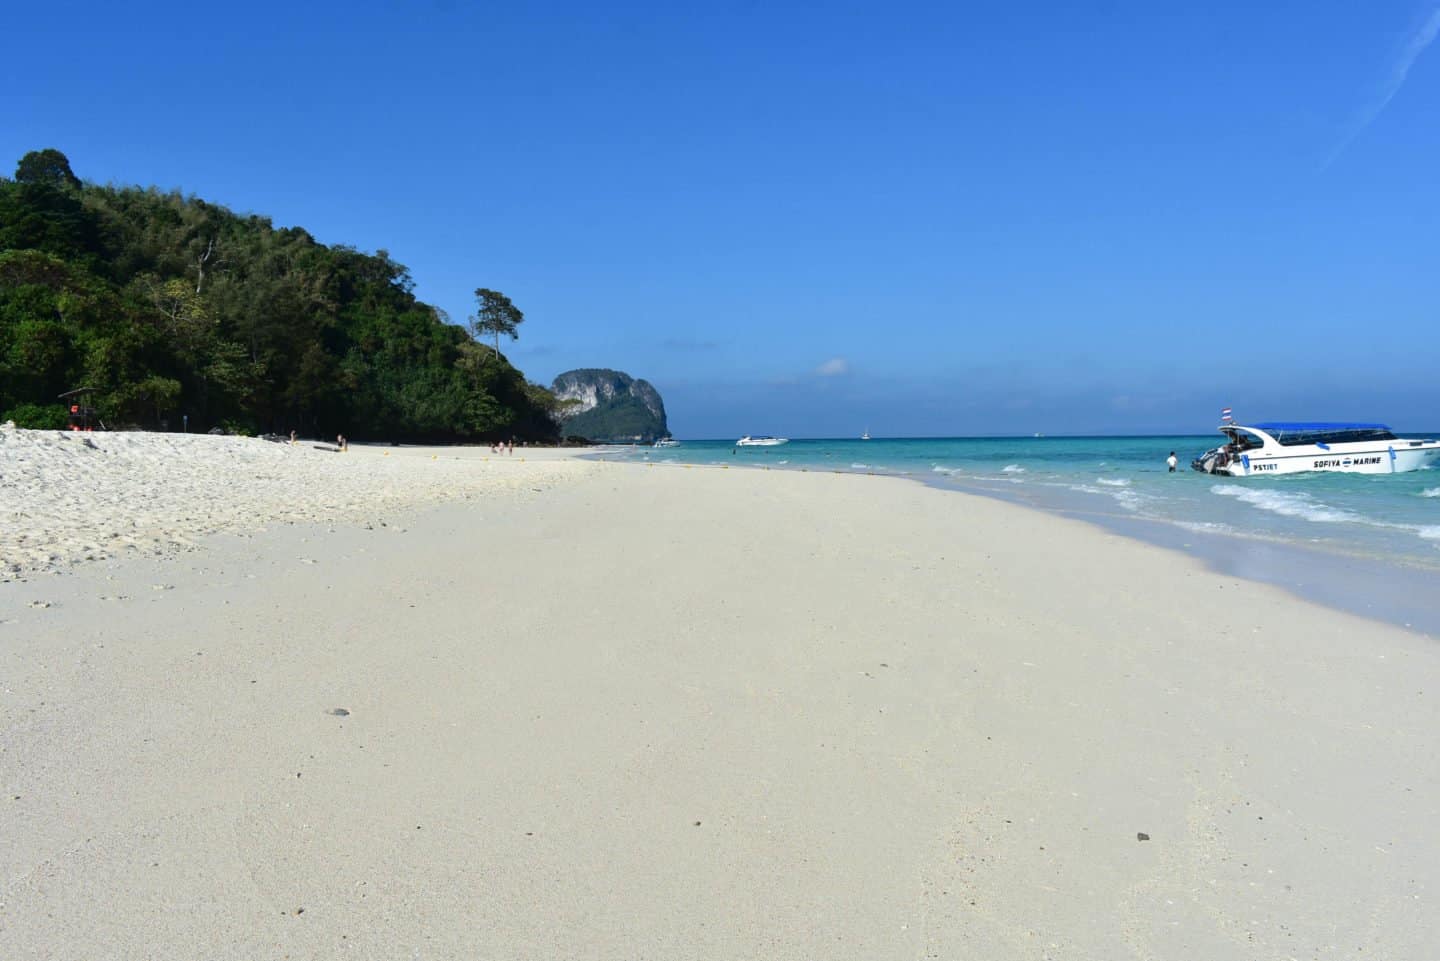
{"x":609,"y":406}
{"x":176,"y":313}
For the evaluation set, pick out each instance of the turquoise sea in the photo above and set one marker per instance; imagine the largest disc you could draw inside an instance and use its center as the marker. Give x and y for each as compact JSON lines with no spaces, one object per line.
{"x":1326,"y":535}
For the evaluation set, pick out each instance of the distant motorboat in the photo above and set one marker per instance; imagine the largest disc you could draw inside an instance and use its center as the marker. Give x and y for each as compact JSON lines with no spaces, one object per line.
{"x":1290,"y":448}
{"x":761,"y":440}
{"x":667,"y":442}
{"x":866,"y":435}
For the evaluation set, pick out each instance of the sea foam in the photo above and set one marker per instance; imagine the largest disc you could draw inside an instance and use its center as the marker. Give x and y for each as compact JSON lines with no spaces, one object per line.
{"x":1288,"y":504}
{"x":1205,"y":527}
{"x":1013,"y":469}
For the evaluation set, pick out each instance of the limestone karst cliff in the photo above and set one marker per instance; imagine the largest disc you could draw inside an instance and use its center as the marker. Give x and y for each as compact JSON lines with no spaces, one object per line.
{"x":610,"y":406}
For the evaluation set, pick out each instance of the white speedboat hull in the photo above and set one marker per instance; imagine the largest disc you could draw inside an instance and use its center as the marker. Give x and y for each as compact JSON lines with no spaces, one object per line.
{"x":1256,"y":451}
{"x":761,"y":441}
{"x":1366,"y":461}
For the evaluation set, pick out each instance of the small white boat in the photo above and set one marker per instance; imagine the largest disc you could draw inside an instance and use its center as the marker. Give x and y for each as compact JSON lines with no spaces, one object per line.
{"x":761,"y":440}
{"x":866,"y":435}
{"x":667,"y":442}
{"x":1294,"y":447}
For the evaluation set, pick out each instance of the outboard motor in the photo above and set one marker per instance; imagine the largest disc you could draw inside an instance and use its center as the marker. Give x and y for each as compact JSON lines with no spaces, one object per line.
{"x":1210,"y":461}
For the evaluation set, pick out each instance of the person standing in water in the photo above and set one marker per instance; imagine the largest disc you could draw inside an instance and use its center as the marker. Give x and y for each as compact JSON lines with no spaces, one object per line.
{"x":1171,"y":461}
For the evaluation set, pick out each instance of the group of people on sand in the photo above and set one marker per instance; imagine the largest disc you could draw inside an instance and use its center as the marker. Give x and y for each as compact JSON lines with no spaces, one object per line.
{"x":502,"y":447}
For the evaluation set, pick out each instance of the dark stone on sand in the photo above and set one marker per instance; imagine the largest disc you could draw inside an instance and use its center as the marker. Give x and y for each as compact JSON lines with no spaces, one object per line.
{"x":340,"y":712}
{"x":1142,"y":836}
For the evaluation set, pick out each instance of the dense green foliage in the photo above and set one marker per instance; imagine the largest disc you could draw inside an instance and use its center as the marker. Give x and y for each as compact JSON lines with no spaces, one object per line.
{"x":170,"y":306}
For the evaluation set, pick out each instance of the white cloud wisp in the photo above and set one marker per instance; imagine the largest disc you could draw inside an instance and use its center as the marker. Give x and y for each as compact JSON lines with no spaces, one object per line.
{"x":1414,"y":47}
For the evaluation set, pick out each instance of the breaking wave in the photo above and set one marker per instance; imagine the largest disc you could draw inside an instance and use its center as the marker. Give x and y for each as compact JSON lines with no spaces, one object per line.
{"x":1431,"y":492}
{"x":1119,"y":492}
{"x":1288,"y":504}
{"x":1206,"y":527}
{"x":1013,"y":469}
{"x":1117,"y":482}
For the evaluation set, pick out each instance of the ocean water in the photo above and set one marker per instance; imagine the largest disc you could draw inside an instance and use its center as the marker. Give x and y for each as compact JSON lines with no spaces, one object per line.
{"x":1390,"y":520}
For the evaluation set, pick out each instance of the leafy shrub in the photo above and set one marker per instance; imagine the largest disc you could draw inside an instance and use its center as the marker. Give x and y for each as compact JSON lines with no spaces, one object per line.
{"x":38,"y":416}
{"x":237,"y":428}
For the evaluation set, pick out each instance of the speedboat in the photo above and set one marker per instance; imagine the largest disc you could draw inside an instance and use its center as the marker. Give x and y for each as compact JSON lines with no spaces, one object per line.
{"x":667,"y":442}
{"x":1293,"y":447}
{"x":761,"y":440}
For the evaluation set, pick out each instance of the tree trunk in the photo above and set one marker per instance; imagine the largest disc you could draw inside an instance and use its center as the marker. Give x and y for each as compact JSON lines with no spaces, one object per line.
{"x":200,"y":264}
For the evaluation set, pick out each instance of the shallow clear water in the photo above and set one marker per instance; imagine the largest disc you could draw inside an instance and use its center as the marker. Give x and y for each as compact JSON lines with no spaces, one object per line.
{"x":1392,"y":518}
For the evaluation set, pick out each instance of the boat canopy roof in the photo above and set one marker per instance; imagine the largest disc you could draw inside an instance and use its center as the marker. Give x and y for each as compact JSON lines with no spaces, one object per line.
{"x":1276,"y":425}
{"x":1299,"y":433}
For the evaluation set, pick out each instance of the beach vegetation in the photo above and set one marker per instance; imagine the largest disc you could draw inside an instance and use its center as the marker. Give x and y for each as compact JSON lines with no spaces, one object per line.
{"x":179,"y":311}
{"x":36,"y":416}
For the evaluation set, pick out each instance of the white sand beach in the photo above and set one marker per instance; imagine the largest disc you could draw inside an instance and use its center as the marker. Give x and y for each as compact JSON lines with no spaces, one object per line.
{"x":556,"y":709}
{"x":67,"y":497}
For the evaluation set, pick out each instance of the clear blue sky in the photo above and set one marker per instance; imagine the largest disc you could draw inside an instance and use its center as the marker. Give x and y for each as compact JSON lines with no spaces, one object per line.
{"x":915,"y":218}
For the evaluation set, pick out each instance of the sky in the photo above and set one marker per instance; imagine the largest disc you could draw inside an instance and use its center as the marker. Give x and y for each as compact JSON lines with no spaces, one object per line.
{"x":917,"y":219}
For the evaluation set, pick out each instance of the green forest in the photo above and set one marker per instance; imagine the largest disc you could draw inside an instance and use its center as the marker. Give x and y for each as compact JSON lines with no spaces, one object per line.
{"x":176,"y":311}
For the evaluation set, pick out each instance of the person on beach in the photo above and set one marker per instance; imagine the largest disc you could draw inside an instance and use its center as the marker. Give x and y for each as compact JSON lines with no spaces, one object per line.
{"x":292,"y":438}
{"x":341,"y":443}
{"x":1171,"y":461}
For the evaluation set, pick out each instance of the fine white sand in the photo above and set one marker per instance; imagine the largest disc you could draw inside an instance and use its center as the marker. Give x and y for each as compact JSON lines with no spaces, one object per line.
{"x":66,"y":497}
{"x":674,"y":713}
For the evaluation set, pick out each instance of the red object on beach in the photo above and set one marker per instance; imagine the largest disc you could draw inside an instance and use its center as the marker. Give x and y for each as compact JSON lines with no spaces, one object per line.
{"x":80,"y":414}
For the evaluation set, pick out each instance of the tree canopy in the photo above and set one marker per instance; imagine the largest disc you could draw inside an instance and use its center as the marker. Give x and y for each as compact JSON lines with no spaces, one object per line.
{"x":169,"y":305}
{"x":48,"y":166}
{"x":495,"y":315}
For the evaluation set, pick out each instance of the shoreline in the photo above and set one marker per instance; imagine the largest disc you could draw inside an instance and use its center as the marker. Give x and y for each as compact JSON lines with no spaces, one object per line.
{"x":92,"y":525}
{"x":1390,"y":593}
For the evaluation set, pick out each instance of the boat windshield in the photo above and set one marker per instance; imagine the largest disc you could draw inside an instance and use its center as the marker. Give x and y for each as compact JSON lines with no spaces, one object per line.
{"x":1340,"y":434}
{"x":1242,"y":441}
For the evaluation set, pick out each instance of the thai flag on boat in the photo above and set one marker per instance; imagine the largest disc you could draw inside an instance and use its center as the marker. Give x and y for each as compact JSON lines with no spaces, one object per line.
{"x":1225,"y":415}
